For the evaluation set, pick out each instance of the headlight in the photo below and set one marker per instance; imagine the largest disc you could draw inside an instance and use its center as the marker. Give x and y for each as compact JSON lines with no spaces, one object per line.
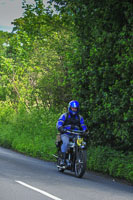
{"x":79,"y":141}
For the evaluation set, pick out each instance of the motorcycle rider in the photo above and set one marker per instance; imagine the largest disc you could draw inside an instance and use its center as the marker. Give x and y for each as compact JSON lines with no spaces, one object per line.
{"x":69,"y":121}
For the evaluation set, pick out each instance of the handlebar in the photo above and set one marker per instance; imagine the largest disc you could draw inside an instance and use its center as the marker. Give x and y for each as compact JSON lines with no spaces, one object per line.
{"x":76,"y":132}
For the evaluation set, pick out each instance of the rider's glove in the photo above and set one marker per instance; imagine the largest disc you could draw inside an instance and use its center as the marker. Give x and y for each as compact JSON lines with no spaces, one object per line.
{"x":87,"y":132}
{"x":61,"y":129}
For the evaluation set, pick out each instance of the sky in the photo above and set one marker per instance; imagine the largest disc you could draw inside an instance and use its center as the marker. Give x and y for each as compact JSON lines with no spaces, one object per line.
{"x":10,"y":10}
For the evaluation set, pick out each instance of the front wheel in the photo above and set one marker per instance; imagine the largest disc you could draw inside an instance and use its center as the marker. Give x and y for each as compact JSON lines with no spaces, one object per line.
{"x":80,"y":162}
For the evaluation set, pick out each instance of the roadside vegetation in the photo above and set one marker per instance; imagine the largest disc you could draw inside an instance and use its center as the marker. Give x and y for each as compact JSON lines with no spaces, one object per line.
{"x":52,"y":58}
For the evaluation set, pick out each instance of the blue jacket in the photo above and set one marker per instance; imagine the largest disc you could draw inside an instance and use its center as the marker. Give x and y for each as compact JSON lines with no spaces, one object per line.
{"x":75,"y":122}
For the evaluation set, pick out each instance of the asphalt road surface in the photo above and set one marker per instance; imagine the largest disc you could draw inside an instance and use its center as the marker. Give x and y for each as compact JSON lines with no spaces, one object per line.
{"x":26,"y":178}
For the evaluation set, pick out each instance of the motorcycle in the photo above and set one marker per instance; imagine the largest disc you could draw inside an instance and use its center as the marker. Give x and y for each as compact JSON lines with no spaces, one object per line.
{"x":76,"y":155}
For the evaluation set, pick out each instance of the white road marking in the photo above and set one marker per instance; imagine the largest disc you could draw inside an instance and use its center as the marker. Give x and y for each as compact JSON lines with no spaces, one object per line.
{"x":38,"y":190}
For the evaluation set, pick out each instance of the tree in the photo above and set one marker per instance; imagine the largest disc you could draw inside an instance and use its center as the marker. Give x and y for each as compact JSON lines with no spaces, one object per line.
{"x":39,"y":52}
{"x":102,"y":80}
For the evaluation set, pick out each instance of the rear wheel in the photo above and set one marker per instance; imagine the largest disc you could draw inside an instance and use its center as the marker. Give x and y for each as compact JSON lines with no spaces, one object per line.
{"x":80,"y":162}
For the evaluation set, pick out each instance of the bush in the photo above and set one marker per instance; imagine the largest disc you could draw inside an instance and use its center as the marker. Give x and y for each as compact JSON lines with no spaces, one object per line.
{"x":110,"y":161}
{"x":31,"y":132}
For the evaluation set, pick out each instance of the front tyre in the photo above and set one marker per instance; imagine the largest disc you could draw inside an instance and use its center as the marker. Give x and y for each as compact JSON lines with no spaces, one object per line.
{"x":80,"y":162}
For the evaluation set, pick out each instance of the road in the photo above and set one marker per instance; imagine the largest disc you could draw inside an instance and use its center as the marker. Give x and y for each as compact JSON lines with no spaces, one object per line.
{"x":26,"y":178}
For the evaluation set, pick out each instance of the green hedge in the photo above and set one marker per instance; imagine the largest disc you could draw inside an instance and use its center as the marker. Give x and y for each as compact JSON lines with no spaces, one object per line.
{"x":100,"y":74}
{"x":110,"y":161}
{"x":30,"y":132}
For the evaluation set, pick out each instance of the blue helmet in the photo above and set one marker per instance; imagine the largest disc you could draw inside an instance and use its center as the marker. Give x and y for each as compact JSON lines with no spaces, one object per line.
{"x":73,"y":107}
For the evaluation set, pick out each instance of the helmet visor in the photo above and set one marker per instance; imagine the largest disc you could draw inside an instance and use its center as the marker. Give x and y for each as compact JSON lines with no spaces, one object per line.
{"x":74,"y":109}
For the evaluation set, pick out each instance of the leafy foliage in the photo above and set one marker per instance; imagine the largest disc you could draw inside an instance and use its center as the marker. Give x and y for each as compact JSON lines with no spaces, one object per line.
{"x":110,"y":161}
{"x":32,"y":132}
{"x":101,"y":74}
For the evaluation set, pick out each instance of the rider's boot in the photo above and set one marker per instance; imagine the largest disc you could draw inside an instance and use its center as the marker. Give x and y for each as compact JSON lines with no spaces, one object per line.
{"x":62,"y":163}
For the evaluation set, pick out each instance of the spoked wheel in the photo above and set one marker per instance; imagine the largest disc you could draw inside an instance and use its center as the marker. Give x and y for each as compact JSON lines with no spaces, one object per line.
{"x":80,"y":163}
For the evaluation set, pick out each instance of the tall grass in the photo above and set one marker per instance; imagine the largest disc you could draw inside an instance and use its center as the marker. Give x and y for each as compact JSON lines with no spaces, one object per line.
{"x":32,"y":133}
